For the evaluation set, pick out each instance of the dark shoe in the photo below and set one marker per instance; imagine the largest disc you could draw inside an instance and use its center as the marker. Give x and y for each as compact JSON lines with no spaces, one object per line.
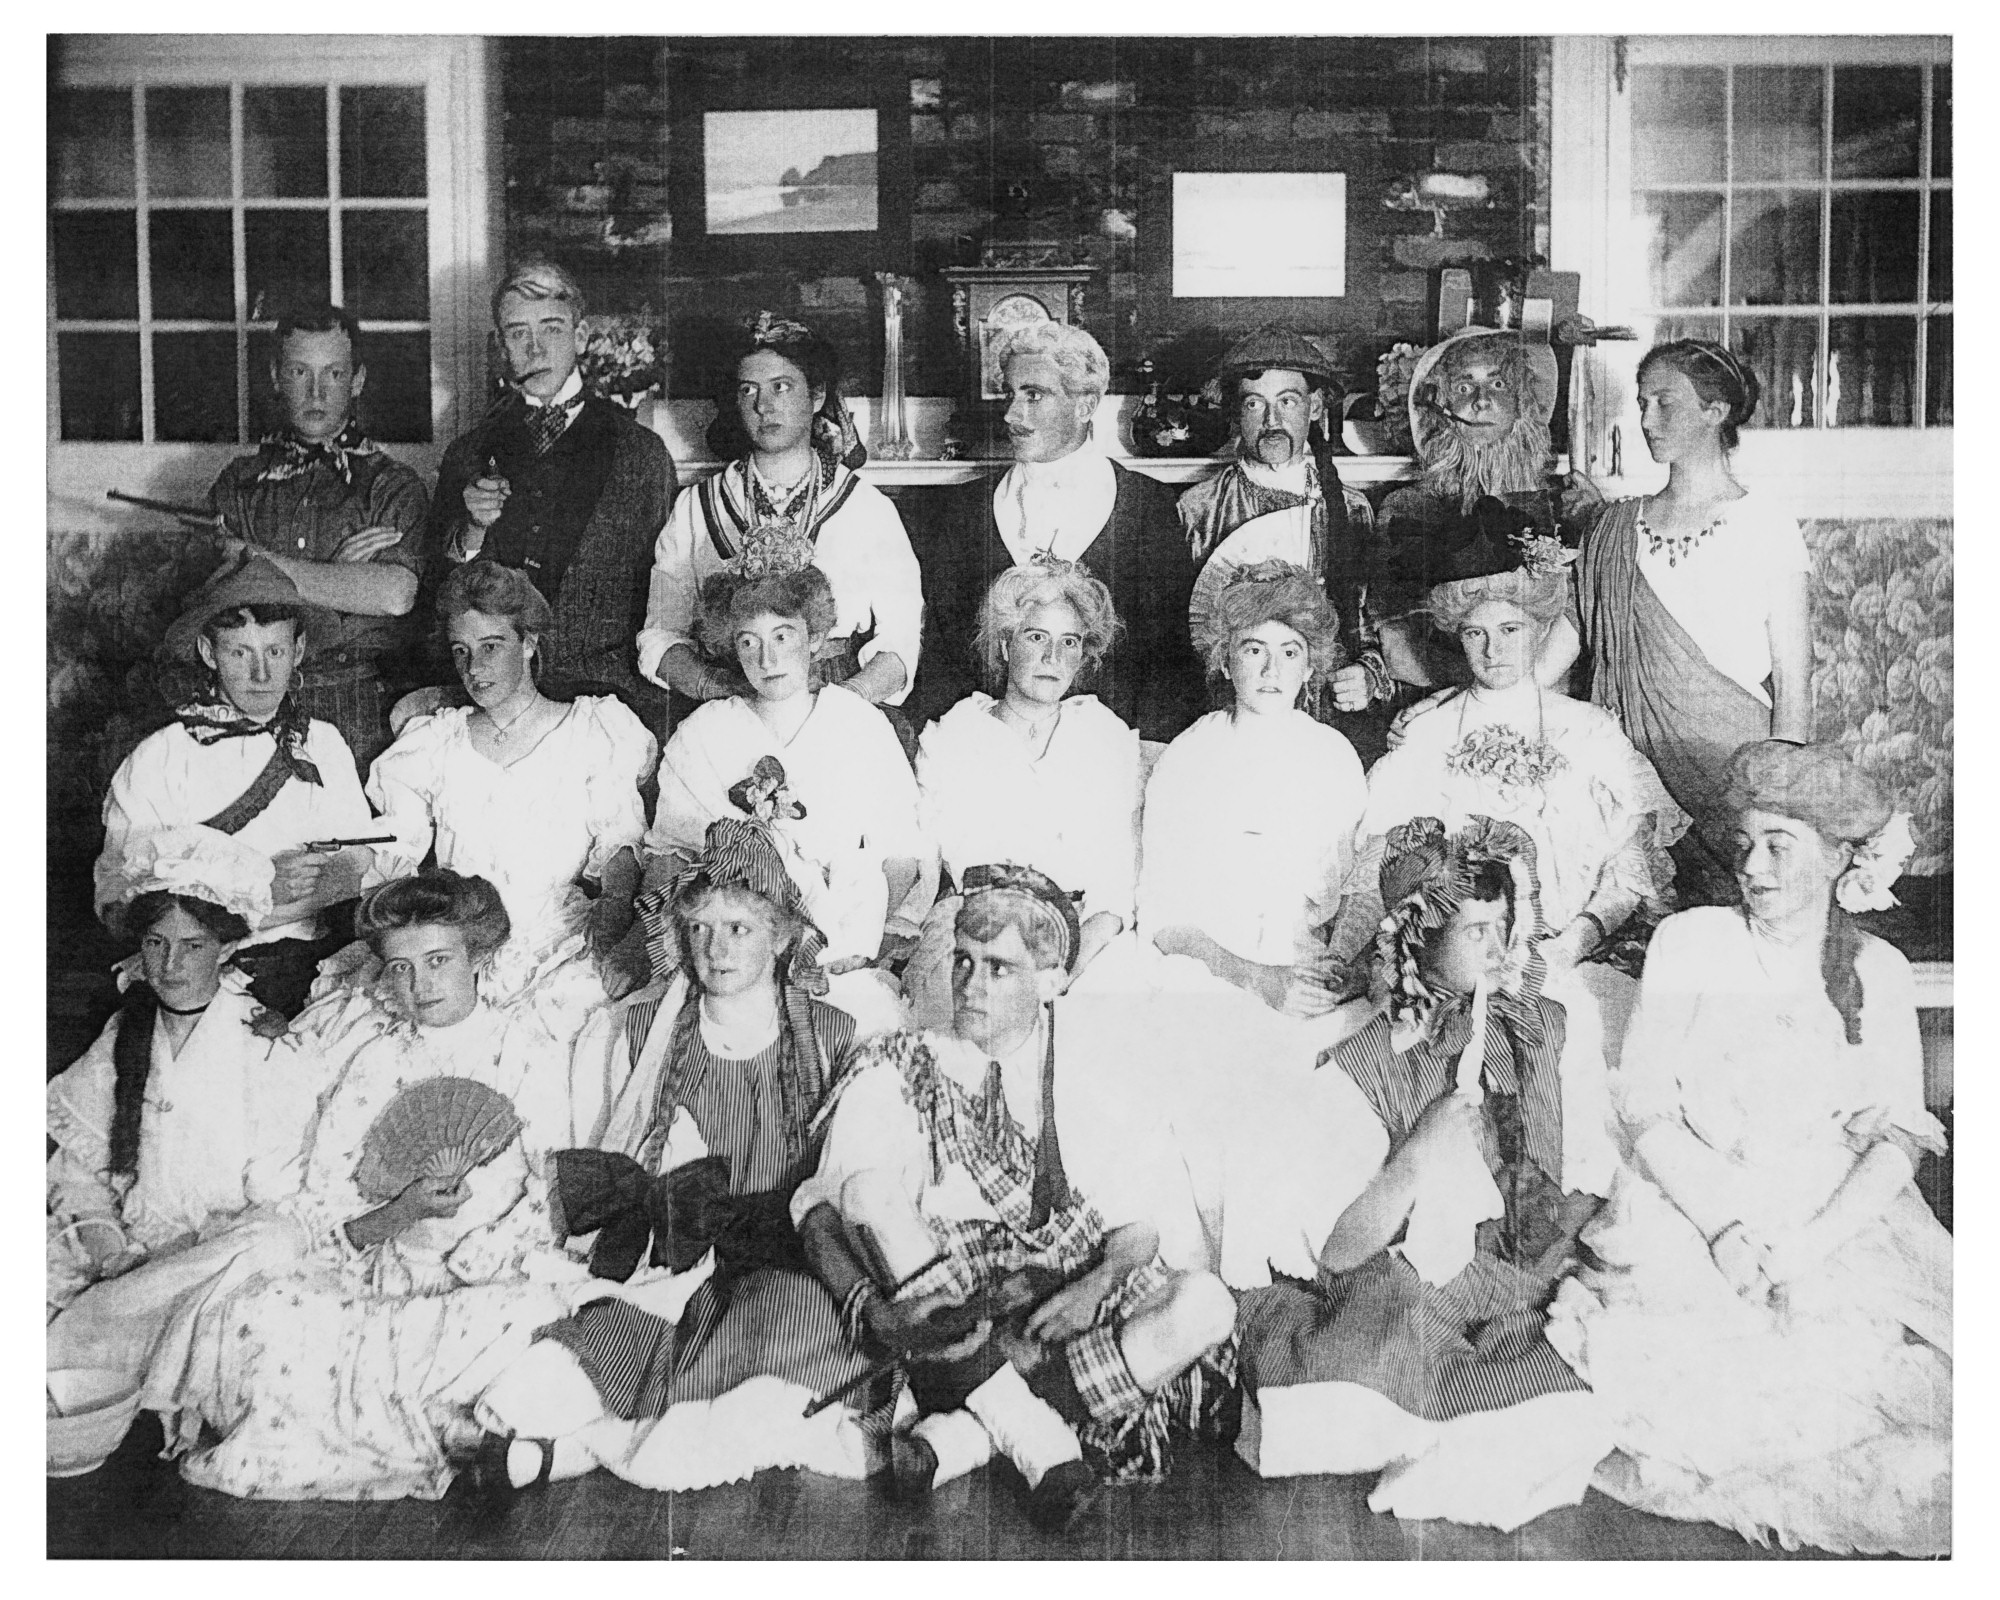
{"x":1058,"y":1503}
{"x":492,"y":1484}
{"x":913,"y":1466}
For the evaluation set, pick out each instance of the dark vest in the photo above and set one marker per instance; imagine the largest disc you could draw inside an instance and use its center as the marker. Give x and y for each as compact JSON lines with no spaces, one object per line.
{"x":551,"y":497}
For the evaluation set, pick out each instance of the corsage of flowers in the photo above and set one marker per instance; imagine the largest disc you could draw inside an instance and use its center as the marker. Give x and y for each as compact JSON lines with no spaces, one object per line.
{"x":1506,"y":756}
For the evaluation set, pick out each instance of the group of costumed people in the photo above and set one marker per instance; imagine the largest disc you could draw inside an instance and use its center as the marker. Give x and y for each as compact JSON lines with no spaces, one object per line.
{"x":957,"y":1043}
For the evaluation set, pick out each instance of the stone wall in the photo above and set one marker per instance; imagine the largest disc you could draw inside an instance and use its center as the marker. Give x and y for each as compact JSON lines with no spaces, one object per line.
{"x":1069,"y":140}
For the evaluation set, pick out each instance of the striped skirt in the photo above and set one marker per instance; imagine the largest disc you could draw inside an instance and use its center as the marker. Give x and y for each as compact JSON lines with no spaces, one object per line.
{"x":768,"y":1322}
{"x":1436,"y":1351}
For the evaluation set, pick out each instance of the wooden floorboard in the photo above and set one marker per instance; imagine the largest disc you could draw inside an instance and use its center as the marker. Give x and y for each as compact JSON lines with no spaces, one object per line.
{"x":1213,"y":1508}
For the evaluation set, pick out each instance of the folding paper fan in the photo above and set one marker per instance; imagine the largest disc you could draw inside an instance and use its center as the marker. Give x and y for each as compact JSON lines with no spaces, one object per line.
{"x":440,"y":1128}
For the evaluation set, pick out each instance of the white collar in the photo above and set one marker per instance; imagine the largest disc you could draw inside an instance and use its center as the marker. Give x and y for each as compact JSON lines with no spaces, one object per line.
{"x":568,"y":395}
{"x":1289,"y":479}
{"x":1070,"y":500}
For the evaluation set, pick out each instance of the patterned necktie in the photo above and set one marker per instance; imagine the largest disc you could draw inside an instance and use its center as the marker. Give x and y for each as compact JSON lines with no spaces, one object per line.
{"x":993,"y":1109}
{"x":546,"y":425}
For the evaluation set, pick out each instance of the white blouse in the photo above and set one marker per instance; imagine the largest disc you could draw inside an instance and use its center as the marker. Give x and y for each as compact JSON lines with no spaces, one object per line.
{"x":847,"y":770}
{"x":218,"y":1125}
{"x":170,"y":780}
{"x":862,"y":549}
{"x":1725,"y":590}
{"x":558,"y":814}
{"x":1070,"y":813}
{"x":1249,"y":832}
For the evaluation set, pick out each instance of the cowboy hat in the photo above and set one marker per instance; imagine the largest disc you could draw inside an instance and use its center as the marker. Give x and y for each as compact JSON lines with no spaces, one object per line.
{"x":254,"y":580}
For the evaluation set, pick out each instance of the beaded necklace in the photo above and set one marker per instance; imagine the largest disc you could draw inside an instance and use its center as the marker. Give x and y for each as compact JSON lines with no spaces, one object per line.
{"x":1677,"y":546}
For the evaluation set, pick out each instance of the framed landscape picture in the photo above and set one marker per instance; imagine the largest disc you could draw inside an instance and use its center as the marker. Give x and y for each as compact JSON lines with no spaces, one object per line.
{"x":789,"y":170}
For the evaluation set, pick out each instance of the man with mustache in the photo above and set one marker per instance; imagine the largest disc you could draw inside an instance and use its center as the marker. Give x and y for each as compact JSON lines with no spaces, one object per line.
{"x":1281,"y":499}
{"x":1480,"y":404}
{"x":566,"y":487}
{"x":329,"y":508}
{"x":1064,"y":499}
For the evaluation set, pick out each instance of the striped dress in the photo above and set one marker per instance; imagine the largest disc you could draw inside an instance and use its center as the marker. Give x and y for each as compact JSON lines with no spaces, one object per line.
{"x":1474,"y":1343}
{"x":754,"y":1114}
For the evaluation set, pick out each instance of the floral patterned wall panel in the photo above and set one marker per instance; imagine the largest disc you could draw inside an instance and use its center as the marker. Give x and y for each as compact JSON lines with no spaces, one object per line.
{"x":110,"y":598}
{"x":1882,"y":663}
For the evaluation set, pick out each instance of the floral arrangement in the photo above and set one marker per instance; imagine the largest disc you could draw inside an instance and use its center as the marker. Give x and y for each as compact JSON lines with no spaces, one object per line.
{"x":622,"y":358}
{"x":1506,"y":756}
{"x":1394,"y":369}
{"x":1543,"y":553}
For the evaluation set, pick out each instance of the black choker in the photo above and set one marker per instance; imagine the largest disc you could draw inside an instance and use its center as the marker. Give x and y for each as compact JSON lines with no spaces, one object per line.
{"x":190,"y":1011}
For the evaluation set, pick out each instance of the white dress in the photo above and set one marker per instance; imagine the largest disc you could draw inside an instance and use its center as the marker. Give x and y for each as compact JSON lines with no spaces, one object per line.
{"x":557,"y":815}
{"x":219,"y":1124}
{"x":1824,"y":1415}
{"x":1601,"y":820}
{"x":1249,"y":833}
{"x":1069,"y":812}
{"x":334,"y":1379}
{"x":171,"y":780}
{"x":846,"y":769}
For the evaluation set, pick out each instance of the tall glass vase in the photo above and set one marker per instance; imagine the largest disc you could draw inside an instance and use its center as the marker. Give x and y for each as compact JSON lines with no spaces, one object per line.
{"x":892,"y":441}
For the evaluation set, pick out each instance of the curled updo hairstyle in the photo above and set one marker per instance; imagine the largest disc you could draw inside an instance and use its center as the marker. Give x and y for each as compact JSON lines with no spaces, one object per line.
{"x":730,"y":599}
{"x":139,"y":1012}
{"x":1819,"y":785}
{"x":1018,"y":590}
{"x":1541,"y":597}
{"x":496,"y":591}
{"x":1085,"y":369}
{"x":436,"y":899}
{"x":1715,"y":374}
{"x":1273,"y":591}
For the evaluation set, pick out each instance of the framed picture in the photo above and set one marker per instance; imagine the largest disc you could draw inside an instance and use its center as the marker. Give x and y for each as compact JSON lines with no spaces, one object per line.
{"x":1280,"y":235}
{"x":789,"y":170}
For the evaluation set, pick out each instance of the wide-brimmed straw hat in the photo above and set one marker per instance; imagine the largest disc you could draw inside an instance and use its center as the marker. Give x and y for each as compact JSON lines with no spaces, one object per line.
{"x":1542,"y":378}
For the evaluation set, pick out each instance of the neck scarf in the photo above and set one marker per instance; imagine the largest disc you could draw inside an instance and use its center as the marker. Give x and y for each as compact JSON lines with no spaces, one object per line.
{"x":288,"y":456}
{"x":213,"y":719}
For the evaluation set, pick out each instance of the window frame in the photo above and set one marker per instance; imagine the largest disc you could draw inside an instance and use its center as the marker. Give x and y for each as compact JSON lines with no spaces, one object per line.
{"x":459,"y":112}
{"x":1818,"y":471}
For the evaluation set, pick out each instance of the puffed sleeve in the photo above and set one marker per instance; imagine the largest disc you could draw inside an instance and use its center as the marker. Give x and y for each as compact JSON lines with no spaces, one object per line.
{"x":141,"y":790}
{"x":1108,"y":809}
{"x":79,"y":1102}
{"x":873,"y":1128}
{"x":1646,"y":1089}
{"x":1171,"y":841}
{"x":1342,"y":800}
{"x":893,"y":829}
{"x":1895,"y":1053}
{"x":625,"y":758}
{"x":326,"y":1198}
{"x":284,"y":1095}
{"x":942,"y":791}
{"x":403,"y":786}
{"x":672,"y":590}
{"x":894,"y":586}
{"x":693,"y":792}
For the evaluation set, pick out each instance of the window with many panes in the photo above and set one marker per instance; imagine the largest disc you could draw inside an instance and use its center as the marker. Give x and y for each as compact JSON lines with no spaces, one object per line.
{"x":1802,"y":214}
{"x":187,"y":216}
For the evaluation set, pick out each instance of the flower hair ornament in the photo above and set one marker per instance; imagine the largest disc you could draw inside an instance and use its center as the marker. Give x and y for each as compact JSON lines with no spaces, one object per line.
{"x":1424,"y":879}
{"x":834,"y":435}
{"x":1878,"y":862}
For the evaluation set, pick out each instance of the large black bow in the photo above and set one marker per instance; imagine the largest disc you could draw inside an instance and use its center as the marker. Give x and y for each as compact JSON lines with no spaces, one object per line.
{"x":683,"y":1213}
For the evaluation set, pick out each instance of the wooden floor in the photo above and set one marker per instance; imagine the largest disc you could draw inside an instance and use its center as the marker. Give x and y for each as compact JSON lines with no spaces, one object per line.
{"x":1213,"y":1508}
